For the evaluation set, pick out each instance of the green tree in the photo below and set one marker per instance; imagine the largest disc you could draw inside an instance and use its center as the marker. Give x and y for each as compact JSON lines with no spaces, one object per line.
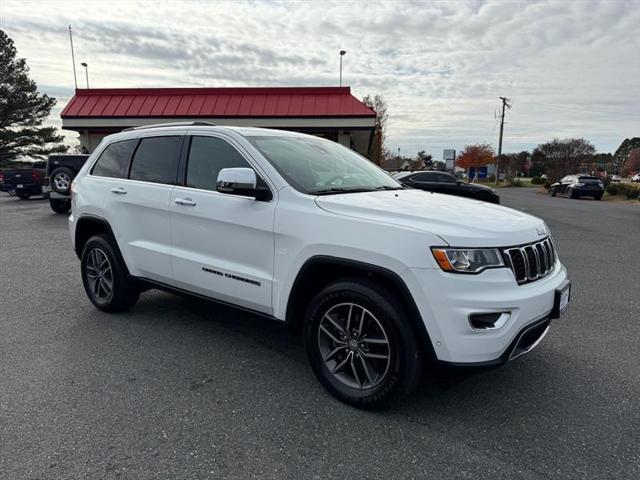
{"x":624,"y":150}
{"x":22,"y":110}
{"x":424,"y":159}
{"x":378,"y":104}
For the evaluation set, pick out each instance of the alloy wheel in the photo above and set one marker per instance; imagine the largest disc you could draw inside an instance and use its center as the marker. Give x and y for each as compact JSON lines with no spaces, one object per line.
{"x":354,"y":346}
{"x":62,"y":182}
{"x":99,"y":275}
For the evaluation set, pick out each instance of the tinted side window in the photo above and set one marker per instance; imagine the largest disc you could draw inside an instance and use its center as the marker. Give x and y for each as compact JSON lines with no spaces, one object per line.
{"x":114,"y":160}
{"x":445,"y":178}
{"x":156,"y":160}
{"x":207,"y":156}
{"x":425,"y":177}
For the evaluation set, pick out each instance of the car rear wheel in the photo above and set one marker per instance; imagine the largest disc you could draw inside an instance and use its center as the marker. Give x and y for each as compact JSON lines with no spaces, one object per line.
{"x":105,"y":278}
{"x":61,"y":180}
{"x":60,"y":205}
{"x":361,"y":345}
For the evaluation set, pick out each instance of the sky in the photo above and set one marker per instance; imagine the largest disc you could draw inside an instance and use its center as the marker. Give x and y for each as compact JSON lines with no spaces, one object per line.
{"x":570,"y":68}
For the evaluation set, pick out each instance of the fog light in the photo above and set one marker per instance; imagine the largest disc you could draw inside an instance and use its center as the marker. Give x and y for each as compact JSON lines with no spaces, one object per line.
{"x":488,"y":321}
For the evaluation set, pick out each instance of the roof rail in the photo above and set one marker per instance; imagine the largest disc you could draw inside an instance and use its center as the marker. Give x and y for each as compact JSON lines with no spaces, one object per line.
{"x":171,"y":124}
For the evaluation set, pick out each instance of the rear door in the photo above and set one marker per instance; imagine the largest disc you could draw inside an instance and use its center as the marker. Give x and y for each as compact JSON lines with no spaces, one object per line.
{"x":427,"y":181}
{"x":223,"y":245}
{"x":138,"y":206}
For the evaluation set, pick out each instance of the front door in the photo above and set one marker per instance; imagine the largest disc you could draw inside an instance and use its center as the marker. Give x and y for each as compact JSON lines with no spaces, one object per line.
{"x":222,"y":245}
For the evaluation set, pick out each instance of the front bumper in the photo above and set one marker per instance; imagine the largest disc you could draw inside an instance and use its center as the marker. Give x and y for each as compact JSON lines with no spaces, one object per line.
{"x":446,"y":301}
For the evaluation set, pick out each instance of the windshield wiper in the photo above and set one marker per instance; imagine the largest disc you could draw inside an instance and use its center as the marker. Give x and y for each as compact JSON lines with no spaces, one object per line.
{"x":389,"y":187}
{"x":333,"y":190}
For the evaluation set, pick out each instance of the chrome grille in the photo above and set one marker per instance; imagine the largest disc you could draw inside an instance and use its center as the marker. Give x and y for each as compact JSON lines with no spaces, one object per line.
{"x":532,"y":261}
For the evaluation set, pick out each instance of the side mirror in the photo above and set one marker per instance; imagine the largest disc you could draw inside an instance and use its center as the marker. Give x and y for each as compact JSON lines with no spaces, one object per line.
{"x":241,"y":181}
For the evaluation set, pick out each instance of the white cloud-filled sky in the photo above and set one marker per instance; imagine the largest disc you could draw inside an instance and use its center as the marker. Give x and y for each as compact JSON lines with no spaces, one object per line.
{"x":571,"y":68}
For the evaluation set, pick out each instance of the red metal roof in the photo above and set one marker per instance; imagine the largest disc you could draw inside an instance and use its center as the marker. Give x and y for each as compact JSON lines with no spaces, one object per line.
{"x":216,"y":102}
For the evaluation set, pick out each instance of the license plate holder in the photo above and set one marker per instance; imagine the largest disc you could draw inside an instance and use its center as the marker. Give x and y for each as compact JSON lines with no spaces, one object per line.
{"x":561,"y":300}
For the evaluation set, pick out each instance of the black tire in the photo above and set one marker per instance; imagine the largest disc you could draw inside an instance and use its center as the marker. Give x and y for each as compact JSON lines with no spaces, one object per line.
{"x":60,"y":205}
{"x":60,"y":180}
{"x":384,"y":380}
{"x":570,"y":193}
{"x":552,"y":192}
{"x":23,"y":195}
{"x":124,"y":292}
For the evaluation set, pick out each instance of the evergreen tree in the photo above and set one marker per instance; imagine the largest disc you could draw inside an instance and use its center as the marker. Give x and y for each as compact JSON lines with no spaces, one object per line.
{"x":23,"y":110}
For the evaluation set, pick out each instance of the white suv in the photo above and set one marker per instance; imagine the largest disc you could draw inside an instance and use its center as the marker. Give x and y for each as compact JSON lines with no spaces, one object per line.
{"x":381,"y":280}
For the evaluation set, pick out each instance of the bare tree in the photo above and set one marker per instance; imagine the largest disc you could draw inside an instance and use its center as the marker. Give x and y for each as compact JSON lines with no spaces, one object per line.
{"x":563,"y":157}
{"x":378,"y":105}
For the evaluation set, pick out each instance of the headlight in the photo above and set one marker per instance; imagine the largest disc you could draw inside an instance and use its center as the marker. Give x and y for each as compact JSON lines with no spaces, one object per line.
{"x":467,"y":260}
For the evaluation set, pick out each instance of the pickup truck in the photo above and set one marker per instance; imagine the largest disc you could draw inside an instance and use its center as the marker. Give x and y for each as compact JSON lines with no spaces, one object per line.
{"x":23,"y":182}
{"x":61,"y":170}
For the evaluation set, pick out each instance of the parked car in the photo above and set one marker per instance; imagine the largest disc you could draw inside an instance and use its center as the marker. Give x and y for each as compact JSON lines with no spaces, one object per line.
{"x":61,"y":170}
{"x":616,"y":178}
{"x":576,"y":186}
{"x":379,"y":278}
{"x":442,"y":182}
{"x":23,"y":182}
{"x":636,"y":177}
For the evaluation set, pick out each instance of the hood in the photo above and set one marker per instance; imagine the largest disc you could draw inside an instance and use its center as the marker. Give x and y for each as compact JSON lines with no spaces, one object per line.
{"x":458,"y":221}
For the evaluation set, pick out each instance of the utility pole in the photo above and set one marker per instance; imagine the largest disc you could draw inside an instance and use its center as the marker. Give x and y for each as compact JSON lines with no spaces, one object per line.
{"x":73,"y":59}
{"x":505,"y":104}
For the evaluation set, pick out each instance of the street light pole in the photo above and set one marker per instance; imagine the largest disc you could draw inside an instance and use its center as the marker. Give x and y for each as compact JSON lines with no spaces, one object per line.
{"x":342,"y":52}
{"x":86,"y":71}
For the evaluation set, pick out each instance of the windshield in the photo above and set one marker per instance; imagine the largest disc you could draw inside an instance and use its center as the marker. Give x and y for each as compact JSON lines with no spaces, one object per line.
{"x":317,"y":166}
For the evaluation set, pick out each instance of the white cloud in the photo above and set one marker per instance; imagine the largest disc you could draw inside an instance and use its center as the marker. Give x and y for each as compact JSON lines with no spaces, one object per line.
{"x":571,"y":68}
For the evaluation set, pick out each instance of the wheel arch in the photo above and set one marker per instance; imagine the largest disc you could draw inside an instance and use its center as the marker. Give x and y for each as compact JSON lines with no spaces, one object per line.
{"x":89,"y":225}
{"x":318,"y":271}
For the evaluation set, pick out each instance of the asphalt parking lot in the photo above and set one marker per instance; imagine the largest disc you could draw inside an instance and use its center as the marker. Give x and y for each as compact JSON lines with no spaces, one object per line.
{"x":182,"y":389}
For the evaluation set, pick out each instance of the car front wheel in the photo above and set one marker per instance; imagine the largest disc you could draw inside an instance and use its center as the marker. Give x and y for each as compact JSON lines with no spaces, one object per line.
{"x":104,"y":276}
{"x":570,"y":193}
{"x":552,"y":192}
{"x":361,"y":345}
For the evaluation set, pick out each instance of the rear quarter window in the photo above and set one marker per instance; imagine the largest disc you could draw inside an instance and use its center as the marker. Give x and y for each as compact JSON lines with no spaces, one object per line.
{"x":114,"y":160}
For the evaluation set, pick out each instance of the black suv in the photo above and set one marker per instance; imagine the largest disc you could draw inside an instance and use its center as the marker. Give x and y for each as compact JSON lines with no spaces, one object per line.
{"x":442,"y":182}
{"x":576,"y":186}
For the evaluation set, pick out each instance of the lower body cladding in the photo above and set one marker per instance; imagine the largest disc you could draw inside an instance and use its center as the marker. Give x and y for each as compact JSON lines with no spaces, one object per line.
{"x":487,"y":318}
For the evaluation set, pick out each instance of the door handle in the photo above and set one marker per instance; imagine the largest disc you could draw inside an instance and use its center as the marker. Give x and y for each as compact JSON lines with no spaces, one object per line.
{"x":185,"y":202}
{"x":119,"y":191}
